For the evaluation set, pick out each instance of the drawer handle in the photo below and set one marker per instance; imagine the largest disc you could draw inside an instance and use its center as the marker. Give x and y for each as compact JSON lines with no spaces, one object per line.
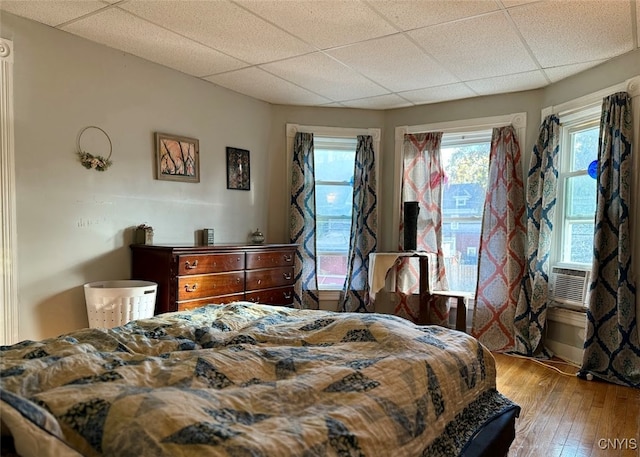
{"x":288,"y":257}
{"x":259,"y":281}
{"x":237,"y":280}
{"x":189,"y":288}
{"x":286,"y":276}
{"x":287,"y":295}
{"x":190,"y":266}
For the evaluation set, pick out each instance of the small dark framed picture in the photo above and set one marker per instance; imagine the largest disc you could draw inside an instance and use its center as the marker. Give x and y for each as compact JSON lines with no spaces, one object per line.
{"x":177,"y":158}
{"x":238,"y":169}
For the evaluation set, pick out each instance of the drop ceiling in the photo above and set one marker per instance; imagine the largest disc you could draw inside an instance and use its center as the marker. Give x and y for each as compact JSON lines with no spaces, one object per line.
{"x":372,"y":54}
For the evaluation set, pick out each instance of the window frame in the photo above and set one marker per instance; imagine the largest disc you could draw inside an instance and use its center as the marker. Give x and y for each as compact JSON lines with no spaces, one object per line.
{"x":333,"y":132}
{"x":576,"y":120}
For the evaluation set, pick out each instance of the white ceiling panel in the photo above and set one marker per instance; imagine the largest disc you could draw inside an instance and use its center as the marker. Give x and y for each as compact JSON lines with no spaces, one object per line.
{"x":561,"y":33}
{"x":323,"y":23}
{"x":374,"y":54}
{"x":327,"y":76}
{"x":439,"y":94}
{"x":222,"y":26}
{"x":508,"y":83}
{"x":412,"y":14}
{"x":264,"y":86}
{"x":404,"y":66}
{"x":555,"y":74}
{"x":121,"y":30}
{"x":389,"y":101}
{"x":52,"y":12}
{"x":476,"y":48}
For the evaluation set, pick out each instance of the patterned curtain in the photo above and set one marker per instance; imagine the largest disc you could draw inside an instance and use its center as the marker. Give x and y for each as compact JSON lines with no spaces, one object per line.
{"x":501,"y":262}
{"x":542,"y":183}
{"x":303,"y":222}
{"x":364,"y":226}
{"x":612,"y":349}
{"x":422,"y":181}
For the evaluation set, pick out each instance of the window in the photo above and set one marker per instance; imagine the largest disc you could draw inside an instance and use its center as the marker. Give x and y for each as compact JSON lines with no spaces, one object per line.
{"x":334,"y":164}
{"x":576,"y":187}
{"x":465,"y":158}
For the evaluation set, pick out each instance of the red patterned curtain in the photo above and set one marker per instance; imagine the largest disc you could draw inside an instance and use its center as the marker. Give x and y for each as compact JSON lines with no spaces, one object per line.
{"x":501,"y":263}
{"x":422,"y":181}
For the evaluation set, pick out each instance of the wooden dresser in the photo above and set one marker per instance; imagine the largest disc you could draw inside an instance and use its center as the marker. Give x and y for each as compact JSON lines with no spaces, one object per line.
{"x":193,"y":276}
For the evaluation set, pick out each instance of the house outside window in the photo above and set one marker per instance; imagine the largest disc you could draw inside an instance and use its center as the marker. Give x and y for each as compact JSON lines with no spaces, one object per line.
{"x":577,"y":187}
{"x":465,"y":158}
{"x":334,"y":164}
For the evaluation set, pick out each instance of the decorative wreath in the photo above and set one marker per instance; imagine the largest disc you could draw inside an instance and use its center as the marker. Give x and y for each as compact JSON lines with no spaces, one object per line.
{"x":89,"y":161}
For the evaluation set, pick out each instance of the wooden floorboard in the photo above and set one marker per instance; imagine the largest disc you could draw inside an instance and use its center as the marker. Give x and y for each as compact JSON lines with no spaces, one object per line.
{"x":564,"y":416}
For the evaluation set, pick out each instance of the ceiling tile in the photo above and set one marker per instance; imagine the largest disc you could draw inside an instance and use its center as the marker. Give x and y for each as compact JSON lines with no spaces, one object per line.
{"x":580,"y":35}
{"x":223,"y":26}
{"x":121,"y":30}
{"x":412,"y":14}
{"x":476,"y":48}
{"x":439,"y":94}
{"x":404,"y":65}
{"x":50,"y":12}
{"x":555,"y":74}
{"x":327,"y":77}
{"x":389,"y":101}
{"x":509,"y":83}
{"x":323,"y":23}
{"x":264,"y":86}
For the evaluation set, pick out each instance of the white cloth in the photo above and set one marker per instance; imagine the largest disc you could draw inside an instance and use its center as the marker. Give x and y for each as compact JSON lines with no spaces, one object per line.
{"x":379,"y":265}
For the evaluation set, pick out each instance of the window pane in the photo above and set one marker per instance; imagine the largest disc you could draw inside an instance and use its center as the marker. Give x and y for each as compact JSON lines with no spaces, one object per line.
{"x":334,"y":200}
{"x":466,"y":176}
{"x":581,"y":197}
{"x":580,"y":242}
{"x":334,"y":163}
{"x":585,"y":148}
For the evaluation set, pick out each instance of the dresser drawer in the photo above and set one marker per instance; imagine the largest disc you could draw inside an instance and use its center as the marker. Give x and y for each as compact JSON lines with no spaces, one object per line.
{"x":269,"y":259}
{"x":196,"y":264}
{"x":202,"y":286}
{"x":268,"y":278}
{"x":279,"y":296}
{"x":220,"y":300}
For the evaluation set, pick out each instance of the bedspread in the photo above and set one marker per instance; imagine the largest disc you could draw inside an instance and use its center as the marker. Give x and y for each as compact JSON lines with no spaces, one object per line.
{"x":252,"y":380}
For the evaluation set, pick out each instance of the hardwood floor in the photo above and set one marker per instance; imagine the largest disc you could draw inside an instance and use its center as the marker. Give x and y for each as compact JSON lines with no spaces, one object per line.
{"x":564,"y":416}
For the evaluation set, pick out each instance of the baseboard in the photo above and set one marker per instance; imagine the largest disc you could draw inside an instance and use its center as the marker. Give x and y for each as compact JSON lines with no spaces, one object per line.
{"x":566,"y":352}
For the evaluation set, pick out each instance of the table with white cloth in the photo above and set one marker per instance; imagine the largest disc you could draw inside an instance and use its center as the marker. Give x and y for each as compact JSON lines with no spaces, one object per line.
{"x":380,"y":263}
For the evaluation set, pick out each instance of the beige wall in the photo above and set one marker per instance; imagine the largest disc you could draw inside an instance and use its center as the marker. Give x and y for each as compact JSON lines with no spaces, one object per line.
{"x":74,"y":225}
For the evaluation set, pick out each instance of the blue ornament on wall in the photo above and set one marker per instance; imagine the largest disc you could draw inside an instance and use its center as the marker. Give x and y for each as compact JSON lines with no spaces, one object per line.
{"x":593,"y":169}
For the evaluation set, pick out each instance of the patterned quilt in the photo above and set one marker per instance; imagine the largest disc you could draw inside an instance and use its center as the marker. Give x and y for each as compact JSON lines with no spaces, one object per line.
{"x":250,"y":380}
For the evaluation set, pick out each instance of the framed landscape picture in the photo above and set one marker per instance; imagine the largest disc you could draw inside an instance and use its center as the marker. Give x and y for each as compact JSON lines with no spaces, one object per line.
{"x":238,"y":169}
{"x":177,"y":158}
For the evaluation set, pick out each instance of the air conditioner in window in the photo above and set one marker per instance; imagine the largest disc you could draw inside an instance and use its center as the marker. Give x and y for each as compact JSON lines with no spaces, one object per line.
{"x":569,"y":287}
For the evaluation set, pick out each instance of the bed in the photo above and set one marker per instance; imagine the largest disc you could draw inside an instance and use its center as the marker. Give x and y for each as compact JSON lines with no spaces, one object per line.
{"x":246,"y":379}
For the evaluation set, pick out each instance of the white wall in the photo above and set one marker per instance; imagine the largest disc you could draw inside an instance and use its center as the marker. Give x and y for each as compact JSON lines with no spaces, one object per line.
{"x":74,"y":225}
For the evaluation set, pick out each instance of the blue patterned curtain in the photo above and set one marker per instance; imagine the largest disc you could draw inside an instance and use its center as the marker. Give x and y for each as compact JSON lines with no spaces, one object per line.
{"x":612,"y":349}
{"x":303,"y":222}
{"x":364,"y":226}
{"x":541,"y":190}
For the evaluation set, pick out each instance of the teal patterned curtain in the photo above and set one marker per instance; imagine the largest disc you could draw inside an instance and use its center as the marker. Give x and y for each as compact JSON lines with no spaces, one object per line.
{"x":303,"y":222}
{"x":612,"y":348}
{"x":364,"y":226}
{"x":541,"y":191}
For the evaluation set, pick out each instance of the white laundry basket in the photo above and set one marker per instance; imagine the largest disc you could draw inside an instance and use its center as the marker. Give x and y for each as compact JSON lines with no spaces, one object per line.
{"x":114,"y":303}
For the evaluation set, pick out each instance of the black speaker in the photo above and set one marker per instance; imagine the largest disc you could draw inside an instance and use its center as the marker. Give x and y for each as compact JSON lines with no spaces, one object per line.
{"x":411,"y":210}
